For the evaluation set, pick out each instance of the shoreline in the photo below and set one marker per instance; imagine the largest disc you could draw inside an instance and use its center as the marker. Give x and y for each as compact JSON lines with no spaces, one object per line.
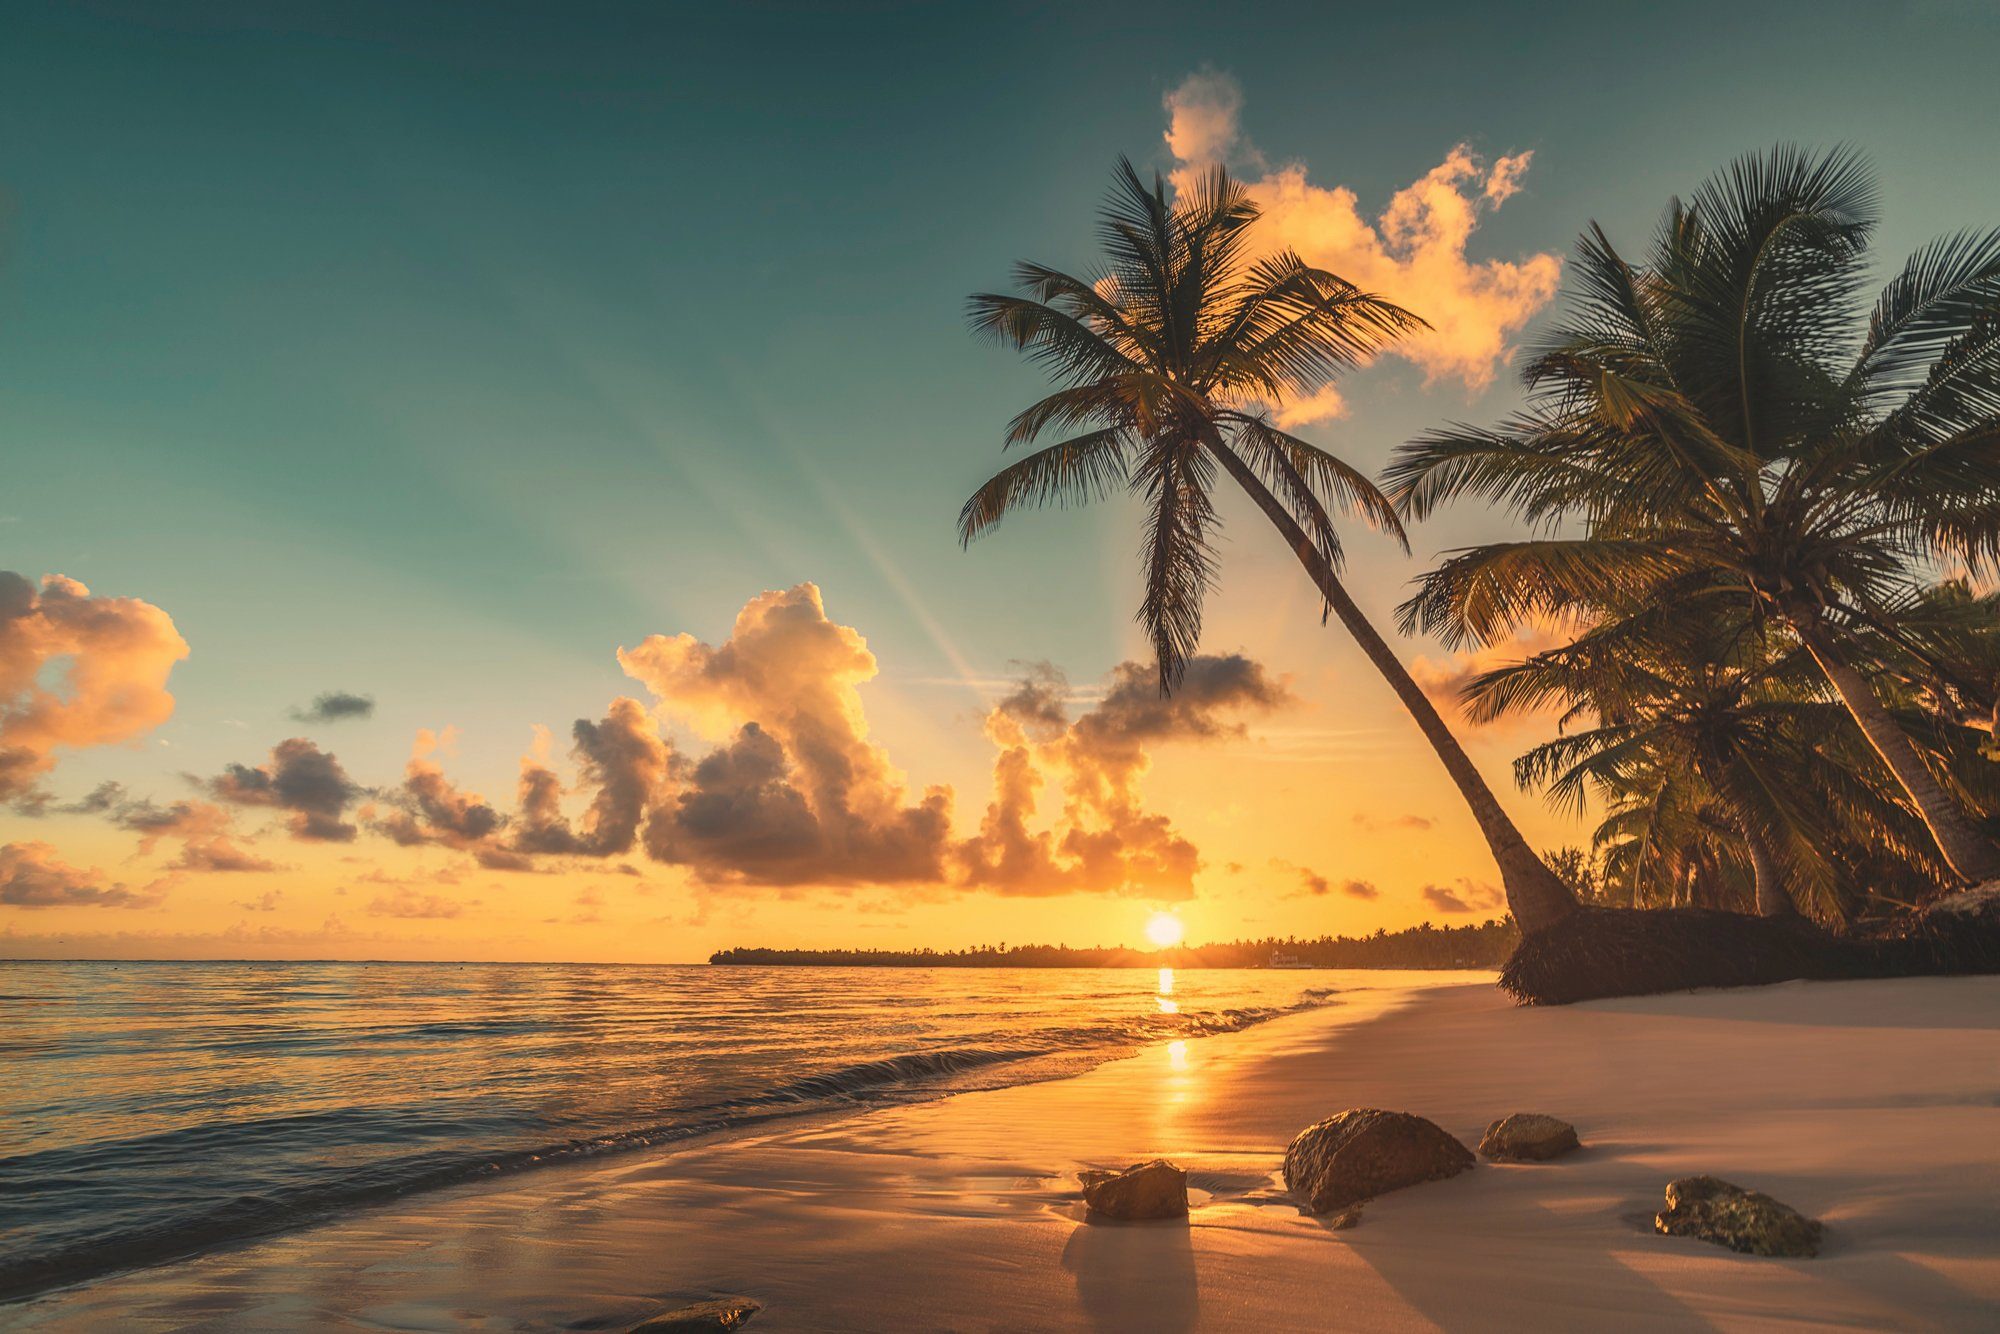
{"x":1873,"y":1105}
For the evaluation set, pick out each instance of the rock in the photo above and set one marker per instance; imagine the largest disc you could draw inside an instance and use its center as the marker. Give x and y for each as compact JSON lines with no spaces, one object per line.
{"x":1528,"y":1137}
{"x":1145,"y":1190}
{"x":1363,"y":1153}
{"x":1743,"y":1220}
{"x":702,"y":1317}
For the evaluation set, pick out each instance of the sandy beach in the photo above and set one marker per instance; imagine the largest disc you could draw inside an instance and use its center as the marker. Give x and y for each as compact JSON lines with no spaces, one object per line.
{"x":1874,"y":1106}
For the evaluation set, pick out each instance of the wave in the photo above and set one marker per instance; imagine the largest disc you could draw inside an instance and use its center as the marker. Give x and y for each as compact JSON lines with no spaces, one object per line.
{"x":172,"y":1234}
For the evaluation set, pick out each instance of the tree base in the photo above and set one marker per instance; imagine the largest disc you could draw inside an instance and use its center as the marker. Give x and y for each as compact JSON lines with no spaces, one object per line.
{"x":1599,"y":952}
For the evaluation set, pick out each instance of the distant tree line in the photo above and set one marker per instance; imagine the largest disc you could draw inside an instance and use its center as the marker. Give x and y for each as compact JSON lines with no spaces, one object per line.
{"x":1482,"y":945}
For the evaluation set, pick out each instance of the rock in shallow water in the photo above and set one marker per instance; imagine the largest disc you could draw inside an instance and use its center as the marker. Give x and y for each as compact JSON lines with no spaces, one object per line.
{"x":702,"y":1317}
{"x":1146,"y":1190}
{"x":1366,"y":1152}
{"x":1743,"y":1220}
{"x":1528,"y":1137}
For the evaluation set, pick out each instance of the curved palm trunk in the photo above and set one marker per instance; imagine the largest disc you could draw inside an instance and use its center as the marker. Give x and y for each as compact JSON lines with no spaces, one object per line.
{"x":1534,"y":895}
{"x":1772,"y":900}
{"x":1972,"y":856}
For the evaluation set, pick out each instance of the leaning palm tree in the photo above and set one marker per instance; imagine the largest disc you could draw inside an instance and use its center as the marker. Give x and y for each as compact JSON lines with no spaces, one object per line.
{"x":1168,"y":360}
{"x":1713,"y":749}
{"x":1725,"y":427}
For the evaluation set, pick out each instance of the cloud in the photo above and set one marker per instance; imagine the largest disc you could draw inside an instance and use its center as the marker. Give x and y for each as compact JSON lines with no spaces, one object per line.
{"x":1105,"y":841}
{"x":430,"y":808}
{"x":794,"y":791}
{"x":787,"y":788}
{"x":1445,"y":679}
{"x":301,"y":779}
{"x":76,"y":671}
{"x":204,"y":830}
{"x":622,"y":760}
{"x":409,"y":903}
{"x":268,"y":901}
{"x":1314,"y":885}
{"x":797,"y":792}
{"x":1375,"y":824}
{"x":1414,"y":253}
{"x":334,"y":706}
{"x":31,"y":876}
{"x":1201,"y":117}
{"x":1467,"y":897}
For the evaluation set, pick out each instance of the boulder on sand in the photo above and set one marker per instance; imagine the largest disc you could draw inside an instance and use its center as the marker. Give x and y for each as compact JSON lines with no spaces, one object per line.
{"x":1365,"y":1152}
{"x":1743,"y":1220}
{"x":701,"y":1317}
{"x":1528,"y":1137}
{"x":1156,"y":1189}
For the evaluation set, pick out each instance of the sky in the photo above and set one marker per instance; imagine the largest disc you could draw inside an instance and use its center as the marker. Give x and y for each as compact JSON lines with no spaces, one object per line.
{"x":480,"y":481}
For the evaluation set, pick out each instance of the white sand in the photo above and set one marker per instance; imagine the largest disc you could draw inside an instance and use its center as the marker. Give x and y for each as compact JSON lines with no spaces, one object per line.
{"x":1872,"y":1105}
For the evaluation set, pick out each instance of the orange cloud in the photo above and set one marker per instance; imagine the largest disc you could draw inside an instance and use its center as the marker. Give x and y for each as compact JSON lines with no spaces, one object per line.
{"x":1445,"y":679}
{"x":798,"y":792}
{"x":1414,"y":253}
{"x":31,"y":876}
{"x":1105,"y":840}
{"x":204,"y":830}
{"x":111,"y":656}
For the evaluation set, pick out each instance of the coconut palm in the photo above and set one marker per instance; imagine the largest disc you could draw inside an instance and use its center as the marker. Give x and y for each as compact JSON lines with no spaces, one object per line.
{"x":1727,"y":428}
{"x":1168,"y":360}
{"x":1715,"y":751}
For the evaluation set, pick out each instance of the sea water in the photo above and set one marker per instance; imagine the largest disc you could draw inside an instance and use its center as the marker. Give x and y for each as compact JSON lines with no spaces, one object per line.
{"x":150,"y":1111}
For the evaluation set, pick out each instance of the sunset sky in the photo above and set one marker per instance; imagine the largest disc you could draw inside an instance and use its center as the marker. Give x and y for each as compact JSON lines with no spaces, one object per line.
{"x":386,"y":389}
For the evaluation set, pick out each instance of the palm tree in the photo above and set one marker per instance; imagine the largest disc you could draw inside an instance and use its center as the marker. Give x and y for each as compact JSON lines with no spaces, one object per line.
{"x":1727,"y":429}
{"x":1716,"y":752}
{"x":1167,"y":361}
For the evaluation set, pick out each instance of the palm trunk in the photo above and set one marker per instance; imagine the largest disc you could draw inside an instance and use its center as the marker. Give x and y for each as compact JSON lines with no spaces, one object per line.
{"x":1534,"y":895}
{"x":1973,"y":857}
{"x":1772,"y":900}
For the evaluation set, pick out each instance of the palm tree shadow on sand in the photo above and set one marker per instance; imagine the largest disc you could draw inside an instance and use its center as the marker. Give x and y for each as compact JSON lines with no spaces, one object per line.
{"x":1135,"y":1276}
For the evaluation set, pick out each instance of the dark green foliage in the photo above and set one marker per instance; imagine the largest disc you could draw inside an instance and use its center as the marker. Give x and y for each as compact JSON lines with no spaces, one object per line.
{"x":1481,"y":945}
{"x":1599,"y":952}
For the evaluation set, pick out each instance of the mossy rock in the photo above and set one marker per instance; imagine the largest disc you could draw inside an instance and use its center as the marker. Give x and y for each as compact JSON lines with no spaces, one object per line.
{"x":1743,"y":1220}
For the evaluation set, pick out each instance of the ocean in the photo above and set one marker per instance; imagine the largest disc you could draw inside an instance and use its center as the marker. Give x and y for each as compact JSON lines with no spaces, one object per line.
{"x":150,"y":1111}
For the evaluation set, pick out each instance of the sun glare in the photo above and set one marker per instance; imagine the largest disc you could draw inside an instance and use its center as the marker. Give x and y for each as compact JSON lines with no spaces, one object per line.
{"x":1163,"y":929}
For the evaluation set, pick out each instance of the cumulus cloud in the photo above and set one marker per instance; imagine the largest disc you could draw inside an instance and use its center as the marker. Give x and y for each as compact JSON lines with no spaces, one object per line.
{"x":793,"y":790}
{"x":76,"y":670}
{"x":622,"y":761}
{"x":798,"y":791}
{"x":1465,"y":897}
{"x":204,"y":830}
{"x":787,"y":787}
{"x":301,"y":779}
{"x":1415,"y":252}
{"x":1201,"y":117}
{"x":334,"y":706}
{"x":430,"y":808}
{"x":1104,"y":841}
{"x":32,"y":876}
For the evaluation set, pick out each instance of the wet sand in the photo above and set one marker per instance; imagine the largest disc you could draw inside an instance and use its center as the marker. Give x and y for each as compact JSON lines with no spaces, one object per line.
{"x":1874,"y":1106}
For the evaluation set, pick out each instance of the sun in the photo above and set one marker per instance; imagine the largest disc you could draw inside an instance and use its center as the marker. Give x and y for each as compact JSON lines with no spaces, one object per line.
{"x":1163,"y":929}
